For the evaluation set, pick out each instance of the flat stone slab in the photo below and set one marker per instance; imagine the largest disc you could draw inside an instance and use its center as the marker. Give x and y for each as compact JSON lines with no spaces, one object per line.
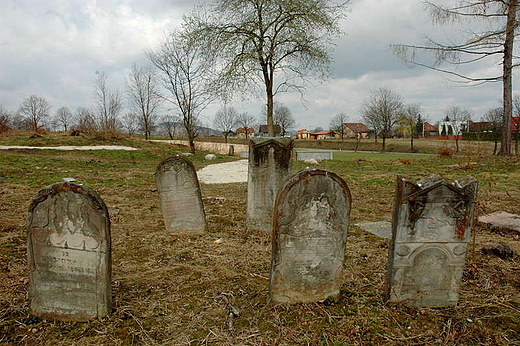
{"x":85,"y":147}
{"x":223,"y":173}
{"x":381,"y":229}
{"x":307,"y":155}
{"x":502,"y":219}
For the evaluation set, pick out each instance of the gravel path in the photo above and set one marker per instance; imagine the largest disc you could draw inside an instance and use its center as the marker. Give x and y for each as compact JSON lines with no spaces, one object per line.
{"x":222,"y":173}
{"x":89,"y":147}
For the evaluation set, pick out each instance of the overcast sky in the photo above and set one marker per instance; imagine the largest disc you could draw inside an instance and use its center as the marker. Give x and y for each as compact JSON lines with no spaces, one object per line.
{"x":53,"y":48}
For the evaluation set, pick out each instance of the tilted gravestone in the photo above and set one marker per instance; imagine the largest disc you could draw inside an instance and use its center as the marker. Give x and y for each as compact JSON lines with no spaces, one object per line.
{"x":269,"y":167}
{"x":69,"y":254}
{"x":430,"y":233}
{"x":310,"y":223}
{"x":180,"y":196}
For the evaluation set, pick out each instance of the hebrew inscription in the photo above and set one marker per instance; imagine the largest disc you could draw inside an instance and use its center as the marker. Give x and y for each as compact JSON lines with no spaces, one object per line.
{"x":180,"y":196}
{"x":430,"y":234}
{"x":69,"y":254}
{"x":311,"y":219}
{"x":269,"y":167}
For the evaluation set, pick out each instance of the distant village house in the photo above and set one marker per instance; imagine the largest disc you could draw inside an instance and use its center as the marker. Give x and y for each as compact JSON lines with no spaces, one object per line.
{"x":355,"y":130}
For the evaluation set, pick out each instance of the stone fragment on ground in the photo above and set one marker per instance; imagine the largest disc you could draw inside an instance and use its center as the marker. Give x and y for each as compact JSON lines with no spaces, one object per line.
{"x":223,"y":173}
{"x":312,"y":162}
{"x":502,"y":219}
{"x":381,"y":229}
{"x":501,"y":250}
{"x":210,"y":157}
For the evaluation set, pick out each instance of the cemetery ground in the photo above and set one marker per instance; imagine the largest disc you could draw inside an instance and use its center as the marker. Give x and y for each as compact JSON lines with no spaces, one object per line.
{"x":178,"y":290}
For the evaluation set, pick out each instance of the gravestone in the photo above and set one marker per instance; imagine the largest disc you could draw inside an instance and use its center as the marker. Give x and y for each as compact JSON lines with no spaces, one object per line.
{"x":180,"y":196}
{"x":310,"y":223}
{"x":430,"y":233}
{"x":231,"y":150}
{"x":269,"y":166}
{"x":69,"y":254}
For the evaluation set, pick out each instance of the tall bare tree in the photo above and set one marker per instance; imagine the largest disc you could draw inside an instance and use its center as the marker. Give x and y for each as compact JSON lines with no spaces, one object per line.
{"x":131,"y":122}
{"x":495,"y":117}
{"x":86,"y":120}
{"x":143,"y":96}
{"x":500,"y":19}
{"x":35,"y":109}
{"x":109,"y":105}
{"x":225,"y":120}
{"x":264,"y":40}
{"x":247,"y":122}
{"x":381,"y":111}
{"x":337,"y":124}
{"x":283,"y":117}
{"x":409,"y":119}
{"x":64,"y":117}
{"x":186,"y":75}
{"x":458,"y":117}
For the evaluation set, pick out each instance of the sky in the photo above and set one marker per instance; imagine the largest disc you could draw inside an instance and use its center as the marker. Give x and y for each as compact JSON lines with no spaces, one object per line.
{"x":53,"y":48}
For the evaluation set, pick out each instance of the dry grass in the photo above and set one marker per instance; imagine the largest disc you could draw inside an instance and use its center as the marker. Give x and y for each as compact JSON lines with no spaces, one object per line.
{"x":167,"y":290}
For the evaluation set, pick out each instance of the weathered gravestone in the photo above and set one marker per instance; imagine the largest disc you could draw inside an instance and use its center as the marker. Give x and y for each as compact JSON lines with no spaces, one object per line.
{"x":69,"y":254}
{"x":310,"y":223}
{"x":179,"y":193}
{"x":430,"y":233}
{"x":269,"y":166}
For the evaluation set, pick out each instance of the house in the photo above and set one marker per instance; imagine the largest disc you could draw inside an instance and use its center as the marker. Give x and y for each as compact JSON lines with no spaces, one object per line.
{"x":303,"y":134}
{"x":429,"y":129}
{"x":353,"y":130}
{"x":515,"y":124}
{"x":245,"y":132}
{"x":264,"y":132}
{"x":482,"y":126}
{"x":323,"y":135}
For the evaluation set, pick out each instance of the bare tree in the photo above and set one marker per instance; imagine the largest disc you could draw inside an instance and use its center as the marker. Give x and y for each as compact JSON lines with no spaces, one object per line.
{"x":144,"y":98}
{"x":225,"y":120}
{"x":131,"y":122}
{"x":458,"y":118}
{"x":109,"y":105}
{"x":495,"y":117}
{"x":283,"y":117}
{"x":186,"y":75}
{"x":5,"y":120}
{"x":64,"y":117}
{"x":35,"y":109}
{"x":409,"y":119}
{"x":247,"y":122}
{"x":258,"y":40}
{"x":497,"y":39}
{"x":171,"y":124}
{"x":337,"y":124}
{"x":86,"y":120}
{"x":381,"y":111}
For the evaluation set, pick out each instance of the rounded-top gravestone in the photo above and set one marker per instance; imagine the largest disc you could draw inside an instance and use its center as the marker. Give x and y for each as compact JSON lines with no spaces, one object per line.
{"x":69,"y":254}
{"x":310,"y":223}
{"x":180,"y":196}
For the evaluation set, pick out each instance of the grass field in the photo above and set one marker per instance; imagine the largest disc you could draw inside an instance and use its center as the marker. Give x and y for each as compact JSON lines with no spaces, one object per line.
{"x":167,"y":289}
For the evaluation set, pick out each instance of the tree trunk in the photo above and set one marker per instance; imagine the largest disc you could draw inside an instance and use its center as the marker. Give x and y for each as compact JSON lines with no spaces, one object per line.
{"x":505,"y":148}
{"x":456,"y":144}
{"x":270,"y":120}
{"x":383,"y":148}
{"x":411,"y":143}
{"x":496,"y":146}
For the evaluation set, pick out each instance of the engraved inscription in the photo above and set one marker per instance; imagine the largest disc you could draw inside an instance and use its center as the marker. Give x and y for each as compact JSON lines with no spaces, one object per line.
{"x":311,"y":220}
{"x":69,"y":254}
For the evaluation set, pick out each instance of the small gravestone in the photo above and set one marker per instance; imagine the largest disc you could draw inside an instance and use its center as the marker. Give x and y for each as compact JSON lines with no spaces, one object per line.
{"x":210,"y":157}
{"x":269,"y":166}
{"x":430,"y":234}
{"x":502,"y":219}
{"x":310,"y":223}
{"x":180,"y":196}
{"x":231,"y":150}
{"x":69,"y":254}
